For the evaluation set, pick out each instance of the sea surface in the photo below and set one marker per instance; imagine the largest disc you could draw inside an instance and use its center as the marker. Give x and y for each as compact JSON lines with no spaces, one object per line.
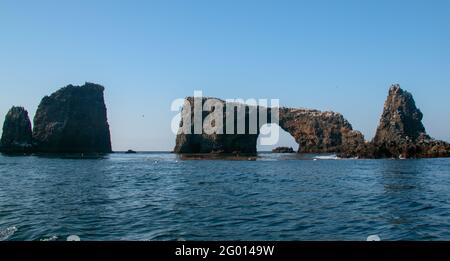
{"x":158,"y":196}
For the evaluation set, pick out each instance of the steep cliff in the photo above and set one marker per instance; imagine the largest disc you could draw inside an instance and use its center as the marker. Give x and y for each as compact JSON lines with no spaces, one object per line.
{"x":73,"y":120}
{"x":214,"y":142}
{"x":16,"y":136}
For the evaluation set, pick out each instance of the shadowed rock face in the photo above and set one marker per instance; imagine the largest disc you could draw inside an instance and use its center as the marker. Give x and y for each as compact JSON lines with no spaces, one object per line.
{"x":401,"y":120}
{"x":314,"y":131}
{"x":401,"y":132}
{"x":73,"y":120}
{"x":16,"y":136}
{"x":244,"y":143}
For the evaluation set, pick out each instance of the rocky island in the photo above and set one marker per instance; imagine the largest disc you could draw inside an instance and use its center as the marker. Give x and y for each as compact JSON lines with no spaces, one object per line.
{"x":71,"y":120}
{"x":400,"y":133}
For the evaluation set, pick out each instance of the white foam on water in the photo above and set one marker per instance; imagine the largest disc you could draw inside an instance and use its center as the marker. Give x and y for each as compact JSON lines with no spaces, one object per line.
{"x":7,"y":233}
{"x":373,"y":238}
{"x":327,"y":157}
{"x":52,"y":238}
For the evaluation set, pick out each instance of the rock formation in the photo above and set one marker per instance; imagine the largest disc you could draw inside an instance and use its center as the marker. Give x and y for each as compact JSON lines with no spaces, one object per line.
{"x":314,"y":131}
{"x":244,"y":143}
{"x":16,"y":136}
{"x":401,"y":132}
{"x":319,"y":132}
{"x":72,"y":120}
{"x":283,"y":150}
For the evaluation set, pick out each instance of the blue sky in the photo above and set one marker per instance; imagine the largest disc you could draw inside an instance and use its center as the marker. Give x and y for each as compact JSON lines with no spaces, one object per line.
{"x":328,"y":55}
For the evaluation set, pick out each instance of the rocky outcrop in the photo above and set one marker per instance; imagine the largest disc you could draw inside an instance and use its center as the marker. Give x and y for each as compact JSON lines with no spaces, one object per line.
{"x":214,"y":142}
{"x":16,"y":136}
{"x":72,"y":120}
{"x":401,"y":133}
{"x":283,"y":150}
{"x":314,"y":131}
{"x":401,"y":119}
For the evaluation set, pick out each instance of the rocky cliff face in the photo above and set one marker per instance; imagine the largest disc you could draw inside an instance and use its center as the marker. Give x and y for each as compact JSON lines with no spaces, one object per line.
{"x":314,"y":131}
{"x":401,"y":120}
{"x":401,"y":133}
{"x":73,"y":120}
{"x":16,"y":136}
{"x":244,"y":143}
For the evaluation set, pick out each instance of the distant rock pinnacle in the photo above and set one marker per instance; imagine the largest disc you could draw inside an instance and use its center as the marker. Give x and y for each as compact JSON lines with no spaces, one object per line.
{"x":16,"y":136}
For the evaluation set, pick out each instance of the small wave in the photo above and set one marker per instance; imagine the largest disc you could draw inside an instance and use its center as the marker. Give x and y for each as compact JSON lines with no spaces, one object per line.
{"x":7,"y":233}
{"x":327,"y":157}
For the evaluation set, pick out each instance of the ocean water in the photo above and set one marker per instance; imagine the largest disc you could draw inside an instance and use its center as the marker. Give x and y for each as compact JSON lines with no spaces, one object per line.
{"x":157,"y":196}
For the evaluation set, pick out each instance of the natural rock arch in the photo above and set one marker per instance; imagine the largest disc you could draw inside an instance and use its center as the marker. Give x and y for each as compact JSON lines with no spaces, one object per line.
{"x":400,"y":133}
{"x":314,"y":131}
{"x":285,"y":141}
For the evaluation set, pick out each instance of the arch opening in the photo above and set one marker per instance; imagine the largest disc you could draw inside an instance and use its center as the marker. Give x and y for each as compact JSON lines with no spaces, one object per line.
{"x":268,"y":132}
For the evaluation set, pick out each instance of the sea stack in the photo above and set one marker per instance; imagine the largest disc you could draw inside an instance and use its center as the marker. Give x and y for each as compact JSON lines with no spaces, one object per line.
{"x":73,"y":120}
{"x":401,"y":134}
{"x":16,"y":136}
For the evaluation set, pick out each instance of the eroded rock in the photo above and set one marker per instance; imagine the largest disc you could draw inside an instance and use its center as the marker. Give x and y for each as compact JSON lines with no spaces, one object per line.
{"x":314,"y":131}
{"x":211,"y":141}
{"x":319,"y":132}
{"x":401,"y":132}
{"x":16,"y":135}
{"x":73,"y":120}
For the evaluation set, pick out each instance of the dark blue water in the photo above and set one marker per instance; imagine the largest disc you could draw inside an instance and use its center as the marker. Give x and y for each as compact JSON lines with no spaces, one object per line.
{"x":156,"y":196}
